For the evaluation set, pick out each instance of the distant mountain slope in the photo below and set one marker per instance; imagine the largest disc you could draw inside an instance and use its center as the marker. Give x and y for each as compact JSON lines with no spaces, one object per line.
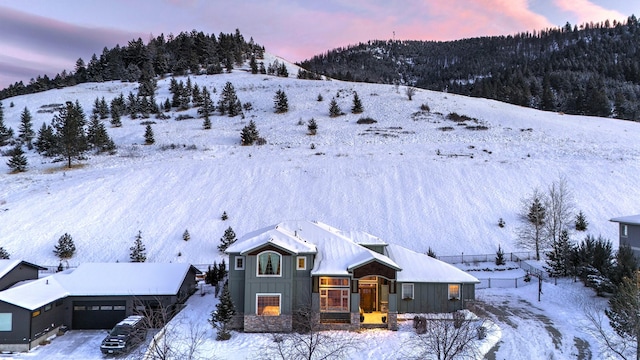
{"x":413,"y":178}
{"x":590,"y":70}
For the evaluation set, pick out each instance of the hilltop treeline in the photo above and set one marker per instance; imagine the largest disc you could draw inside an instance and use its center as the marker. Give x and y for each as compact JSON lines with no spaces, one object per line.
{"x":192,"y":52}
{"x":591,"y":69}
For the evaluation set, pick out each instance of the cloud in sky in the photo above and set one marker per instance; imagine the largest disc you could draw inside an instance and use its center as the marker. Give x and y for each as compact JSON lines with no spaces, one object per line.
{"x":43,"y":37}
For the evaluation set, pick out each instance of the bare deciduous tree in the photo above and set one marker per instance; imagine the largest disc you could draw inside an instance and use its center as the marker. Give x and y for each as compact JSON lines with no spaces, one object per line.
{"x":560,"y":209}
{"x":614,"y":345}
{"x":410,"y":91}
{"x":446,"y":337}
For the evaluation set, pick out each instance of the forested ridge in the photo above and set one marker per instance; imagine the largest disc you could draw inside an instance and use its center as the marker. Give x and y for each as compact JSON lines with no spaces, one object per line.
{"x":588,"y":69}
{"x":189,"y":52}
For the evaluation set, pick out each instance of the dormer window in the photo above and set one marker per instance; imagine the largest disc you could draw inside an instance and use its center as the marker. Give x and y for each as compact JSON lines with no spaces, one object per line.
{"x":269,"y":264}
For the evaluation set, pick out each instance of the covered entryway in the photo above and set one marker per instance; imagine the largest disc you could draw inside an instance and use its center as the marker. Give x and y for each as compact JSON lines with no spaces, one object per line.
{"x":368,"y":289}
{"x":102,"y":314}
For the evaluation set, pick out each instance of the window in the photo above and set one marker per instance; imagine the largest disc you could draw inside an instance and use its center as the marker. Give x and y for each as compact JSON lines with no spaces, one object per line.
{"x":625,"y":231}
{"x":119,"y":307}
{"x":106,"y":307}
{"x":47,"y":307}
{"x":6,"y":321}
{"x":239,"y":262}
{"x":35,"y":313}
{"x":407,"y":291}
{"x":268,"y":304}
{"x":269,"y":264}
{"x":454,"y":291}
{"x":79,"y":308}
{"x":334,"y":294}
{"x":301,"y":263}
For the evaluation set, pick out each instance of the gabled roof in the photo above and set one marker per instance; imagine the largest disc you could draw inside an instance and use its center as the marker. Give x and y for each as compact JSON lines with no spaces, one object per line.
{"x":8,"y":265}
{"x":100,"y":279}
{"x":632,"y":219}
{"x":423,"y":268}
{"x":336,"y":254}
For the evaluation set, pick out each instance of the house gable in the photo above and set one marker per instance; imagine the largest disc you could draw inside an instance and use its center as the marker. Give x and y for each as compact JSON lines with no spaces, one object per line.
{"x":374,"y":268}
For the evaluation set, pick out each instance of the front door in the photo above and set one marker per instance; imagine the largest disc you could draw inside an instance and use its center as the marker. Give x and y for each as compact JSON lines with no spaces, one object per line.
{"x":368,"y":299}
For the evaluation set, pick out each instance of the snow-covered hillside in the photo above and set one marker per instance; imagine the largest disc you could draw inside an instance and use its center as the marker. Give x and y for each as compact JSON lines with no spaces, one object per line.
{"x":399,"y":179}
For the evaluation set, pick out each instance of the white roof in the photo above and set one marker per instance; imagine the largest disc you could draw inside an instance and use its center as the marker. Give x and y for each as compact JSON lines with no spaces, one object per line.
{"x":100,"y":279}
{"x":7,"y":265}
{"x":277,"y":235}
{"x":419,"y":267}
{"x":632,"y":219}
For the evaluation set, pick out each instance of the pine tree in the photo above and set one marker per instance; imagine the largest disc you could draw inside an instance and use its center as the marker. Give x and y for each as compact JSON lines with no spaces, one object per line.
{"x":17,"y":162}
{"x":312,"y":127}
{"x":211,"y":276}
{"x":249,"y":134}
{"x":222,"y":270}
{"x":280,"y":102}
{"x":98,"y":138}
{"x":581,"y":222}
{"x":4,"y":255}
{"x":224,"y":216}
{"x":229,"y":103}
{"x":148,"y":135}
{"x":319,"y":98}
{"x":334,"y":109}
{"x":357,"y":104}
{"x":186,"y":236}
{"x":6,"y":133}
{"x":103,"y":109}
{"x":70,"y":137}
{"x":624,"y":307}
{"x":45,"y":142}
{"x":223,"y":314}
{"x":431,"y":253}
{"x":253,"y":65}
{"x":138,"y":250}
{"x":227,"y":239}
{"x":65,"y":249}
{"x":559,"y":258}
{"x":500,"y":256}
{"x":25,"y":132}
{"x":207,"y":108}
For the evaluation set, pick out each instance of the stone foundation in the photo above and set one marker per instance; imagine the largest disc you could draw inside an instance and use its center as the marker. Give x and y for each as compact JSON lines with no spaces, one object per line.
{"x":392,"y":320}
{"x":257,"y":323}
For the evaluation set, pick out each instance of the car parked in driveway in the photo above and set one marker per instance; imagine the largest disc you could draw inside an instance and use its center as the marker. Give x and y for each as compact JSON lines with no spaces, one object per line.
{"x":126,"y":334}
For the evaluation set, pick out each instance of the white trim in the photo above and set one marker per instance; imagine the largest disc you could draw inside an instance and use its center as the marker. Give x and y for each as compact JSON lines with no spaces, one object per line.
{"x":236,"y":262}
{"x":270,"y":294}
{"x":304,"y":266}
{"x":281,"y":258}
{"x":624,"y":232}
{"x":413,"y":289}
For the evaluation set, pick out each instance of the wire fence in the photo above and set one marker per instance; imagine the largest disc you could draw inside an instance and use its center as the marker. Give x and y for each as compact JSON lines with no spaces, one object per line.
{"x":463,"y":259}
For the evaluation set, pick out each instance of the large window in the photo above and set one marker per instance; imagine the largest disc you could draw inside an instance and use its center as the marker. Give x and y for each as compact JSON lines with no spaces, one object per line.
{"x":268,"y":304}
{"x":454,"y":291}
{"x":334,"y":294}
{"x":269,"y":264}
{"x":407,"y":291}
{"x":5,"y":321}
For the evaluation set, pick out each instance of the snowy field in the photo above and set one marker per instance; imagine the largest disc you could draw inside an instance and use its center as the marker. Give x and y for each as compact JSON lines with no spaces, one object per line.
{"x":414,"y":178}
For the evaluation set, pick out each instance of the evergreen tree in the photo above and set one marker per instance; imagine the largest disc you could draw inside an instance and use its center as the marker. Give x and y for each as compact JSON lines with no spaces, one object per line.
{"x":581,"y":222}
{"x":357,"y":104}
{"x":25,"y":132}
{"x":186,"y":236}
{"x":17,"y":162}
{"x":98,"y":138}
{"x":222,"y":270}
{"x":45,"y":142}
{"x":70,"y":137}
{"x":148,"y":135}
{"x":207,"y":108}
{"x":227,"y":239}
{"x":103,"y":109}
{"x":229,"y":103}
{"x":249,"y":134}
{"x":253,"y":65}
{"x":534,"y":220}
{"x":138,"y":251}
{"x":6,"y":133}
{"x":196,"y":95}
{"x":280,"y":102}
{"x":319,"y":98}
{"x":211,"y":276}
{"x":431,"y":253}
{"x":623,"y":311}
{"x":626,"y":265}
{"x":65,"y":249}
{"x":4,"y":255}
{"x":223,"y":314}
{"x":282,"y":70}
{"x":500,"y":256}
{"x":334,"y":109}
{"x":559,"y":258}
{"x":224,"y":216}
{"x":312,"y":127}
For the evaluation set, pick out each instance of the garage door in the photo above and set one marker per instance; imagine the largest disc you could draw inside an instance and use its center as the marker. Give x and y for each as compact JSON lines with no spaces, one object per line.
{"x":97,"y":314}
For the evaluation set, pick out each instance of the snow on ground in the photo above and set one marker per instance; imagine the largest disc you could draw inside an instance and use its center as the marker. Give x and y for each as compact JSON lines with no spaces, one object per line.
{"x":404,"y":179}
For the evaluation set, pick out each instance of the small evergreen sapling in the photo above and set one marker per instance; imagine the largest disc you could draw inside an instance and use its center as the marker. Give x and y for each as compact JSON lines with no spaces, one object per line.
{"x":280,"y":102}
{"x":148,"y":135}
{"x":138,"y":250}
{"x":65,"y":249}
{"x":186,"y":236}
{"x":500,"y":256}
{"x":25,"y":131}
{"x":17,"y":162}
{"x":581,"y":222}
{"x":227,"y":239}
{"x":357,"y":104}
{"x":224,"y":216}
{"x":249,"y":134}
{"x":431,"y":253}
{"x":312,"y":127}
{"x":223,"y":314}
{"x":334,"y":109}
{"x":4,"y":255}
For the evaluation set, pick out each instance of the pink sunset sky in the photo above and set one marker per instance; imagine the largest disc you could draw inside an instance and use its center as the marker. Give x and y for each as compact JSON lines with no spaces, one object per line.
{"x":39,"y":37}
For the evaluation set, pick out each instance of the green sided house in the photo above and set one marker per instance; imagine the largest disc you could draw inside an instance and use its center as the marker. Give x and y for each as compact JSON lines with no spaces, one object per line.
{"x":92,"y":296}
{"x":348,"y":279}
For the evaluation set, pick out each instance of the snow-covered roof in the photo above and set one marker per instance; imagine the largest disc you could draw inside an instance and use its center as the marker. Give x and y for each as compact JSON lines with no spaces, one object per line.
{"x":423,"y":268}
{"x":100,"y":279}
{"x":632,"y":219}
{"x":364,"y":238}
{"x":7,"y":265}
{"x":336,"y":254}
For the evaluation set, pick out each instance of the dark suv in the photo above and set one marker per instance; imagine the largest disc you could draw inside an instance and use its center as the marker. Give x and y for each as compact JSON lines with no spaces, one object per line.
{"x":124,"y":335}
